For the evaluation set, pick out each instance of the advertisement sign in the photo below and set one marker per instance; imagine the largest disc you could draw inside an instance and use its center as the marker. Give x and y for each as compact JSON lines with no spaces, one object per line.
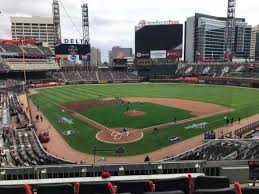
{"x":74,"y":41}
{"x":160,"y":54}
{"x":74,"y":58}
{"x":174,"y":53}
{"x":72,"y":49}
{"x":145,"y":22}
{"x":143,"y":55}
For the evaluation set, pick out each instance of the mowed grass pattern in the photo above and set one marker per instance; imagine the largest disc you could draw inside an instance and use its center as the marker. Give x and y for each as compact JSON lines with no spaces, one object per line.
{"x":113,"y":115}
{"x":244,"y":100}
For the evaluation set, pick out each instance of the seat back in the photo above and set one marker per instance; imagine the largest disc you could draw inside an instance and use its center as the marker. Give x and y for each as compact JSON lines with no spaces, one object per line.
{"x":211,"y":182}
{"x":250,"y":190}
{"x":166,"y":192}
{"x":16,"y":189}
{"x":134,"y":187}
{"x":55,"y":189}
{"x":175,"y":184}
{"x":98,"y":187}
{"x":215,"y":191}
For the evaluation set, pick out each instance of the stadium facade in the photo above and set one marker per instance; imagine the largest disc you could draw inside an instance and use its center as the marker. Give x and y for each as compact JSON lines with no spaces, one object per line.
{"x":41,"y":29}
{"x":205,"y":38}
{"x":255,"y":43}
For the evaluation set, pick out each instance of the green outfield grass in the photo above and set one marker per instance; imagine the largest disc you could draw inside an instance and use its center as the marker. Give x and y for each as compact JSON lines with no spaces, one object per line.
{"x":113,"y":116}
{"x":245,"y":101}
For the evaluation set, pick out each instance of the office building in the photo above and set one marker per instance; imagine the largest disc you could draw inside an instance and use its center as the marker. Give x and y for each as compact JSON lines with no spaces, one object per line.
{"x":254,"y":50}
{"x":205,"y":38}
{"x":39,"y":28}
{"x":95,"y":57}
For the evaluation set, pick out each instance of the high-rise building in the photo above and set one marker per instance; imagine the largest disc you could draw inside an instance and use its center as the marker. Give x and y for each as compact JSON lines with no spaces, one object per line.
{"x":205,"y":38}
{"x":110,"y":57}
{"x":254,"y":50}
{"x":119,"y":56}
{"x":39,"y":28}
{"x":95,"y":57}
{"x":121,"y":53}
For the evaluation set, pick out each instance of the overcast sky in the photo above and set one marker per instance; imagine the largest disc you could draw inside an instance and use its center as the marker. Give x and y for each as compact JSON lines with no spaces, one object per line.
{"x":112,"y":21}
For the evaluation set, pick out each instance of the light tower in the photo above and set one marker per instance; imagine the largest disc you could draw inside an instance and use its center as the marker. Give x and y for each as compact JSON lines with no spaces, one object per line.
{"x":85,"y":24}
{"x":230,"y":28}
{"x":56,"y":22}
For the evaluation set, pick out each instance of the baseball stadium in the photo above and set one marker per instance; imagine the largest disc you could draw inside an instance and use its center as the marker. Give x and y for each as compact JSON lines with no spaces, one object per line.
{"x":149,"y":114}
{"x":170,"y":117}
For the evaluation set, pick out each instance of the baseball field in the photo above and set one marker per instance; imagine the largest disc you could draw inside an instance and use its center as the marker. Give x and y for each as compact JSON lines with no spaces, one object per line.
{"x":140,"y":117}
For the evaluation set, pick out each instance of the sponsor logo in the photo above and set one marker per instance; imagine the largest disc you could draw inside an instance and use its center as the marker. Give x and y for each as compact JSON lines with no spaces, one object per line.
{"x":197,"y":126}
{"x":159,"y":54}
{"x":148,"y":23}
{"x":143,"y":55}
{"x":139,"y":55}
{"x":74,"y":41}
{"x":174,"y":53}
{"x":73,"y":57}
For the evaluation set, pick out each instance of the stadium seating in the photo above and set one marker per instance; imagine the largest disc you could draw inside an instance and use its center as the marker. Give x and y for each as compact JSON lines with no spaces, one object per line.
{"x":58,"y":76}
{"x":232,"y":70}
{"x":98,"y":187}
{"x":11,"y":49}
{"x":23,"y":145}
{"x":177,"y":184}
{"x":135,"y":187}
{"x":165,"y":192}
{"x":120,"y":75}
{"x":215,"y":191}
{"x":88,"y":75}
{"x":117,"y":187}
{"x":55,"y":189}
{"x":31,"y":65}
{"x":222,"y":150}
{"x":70,"y":75}
{"x":250,"y":190}
{"x":32,"y":50}
{"x":48,"y":52}
{"x":104,"y":75}
{"x":19,"y":189}
{"x":206,"y":182}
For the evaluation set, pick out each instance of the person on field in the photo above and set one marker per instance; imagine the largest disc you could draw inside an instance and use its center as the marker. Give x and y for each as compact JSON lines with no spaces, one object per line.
{"x":147,"y":159}
{"x":232,"y":120}
{"x":37,"y":117}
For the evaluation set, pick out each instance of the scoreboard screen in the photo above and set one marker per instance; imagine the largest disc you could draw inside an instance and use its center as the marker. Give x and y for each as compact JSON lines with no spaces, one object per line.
{"x":72,"y":49}
{"x":158,"y":38}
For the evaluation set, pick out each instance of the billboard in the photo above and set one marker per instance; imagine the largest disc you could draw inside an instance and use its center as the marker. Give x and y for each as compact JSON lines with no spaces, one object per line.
{"x":158,"y":54}
{"x":161,"y":37}
{"x":82,"y":50}
{"x":121,"y":53}
{"x":74,"y":58}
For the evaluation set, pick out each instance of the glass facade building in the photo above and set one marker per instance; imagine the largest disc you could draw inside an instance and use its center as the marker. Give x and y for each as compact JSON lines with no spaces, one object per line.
{"x":205,"y":38}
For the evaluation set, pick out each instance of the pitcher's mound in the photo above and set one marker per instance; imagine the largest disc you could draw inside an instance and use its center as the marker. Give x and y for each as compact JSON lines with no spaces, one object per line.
{"x":134,"y":113}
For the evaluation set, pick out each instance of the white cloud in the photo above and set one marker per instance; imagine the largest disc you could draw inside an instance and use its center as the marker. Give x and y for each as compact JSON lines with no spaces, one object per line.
{"x":112,"y":22}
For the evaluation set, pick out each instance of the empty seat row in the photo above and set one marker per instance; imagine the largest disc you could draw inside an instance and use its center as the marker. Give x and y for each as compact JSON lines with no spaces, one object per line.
{"x":108,"y":188}
{"x":182,"y":185}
